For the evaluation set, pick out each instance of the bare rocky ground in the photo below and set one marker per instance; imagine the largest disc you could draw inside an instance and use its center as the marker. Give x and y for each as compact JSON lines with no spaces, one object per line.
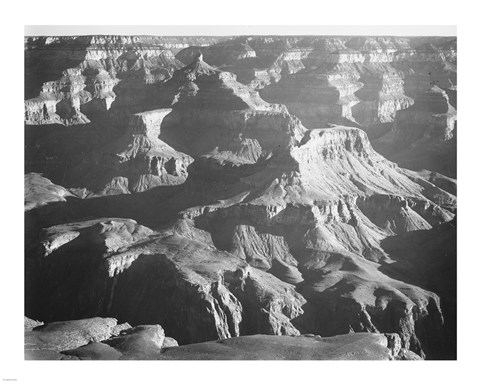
{"x":104,"y":339}
{"x":239,"y":195}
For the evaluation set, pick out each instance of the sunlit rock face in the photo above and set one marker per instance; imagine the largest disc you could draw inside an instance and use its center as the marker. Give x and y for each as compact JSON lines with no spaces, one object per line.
{"x":363,"y":80}
{"x":136,"y":162}
{"x":104,"y":70}
{"x":356,"y":81}
{"x":244,"y":186}
{"x":103,"y":339}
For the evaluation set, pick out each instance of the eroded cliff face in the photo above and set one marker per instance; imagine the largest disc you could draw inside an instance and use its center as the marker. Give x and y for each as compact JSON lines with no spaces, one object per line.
{"x":136,"y":162}
{"x":310,"y":220}
{"x":146,"y":277}
{"x":388,"y":86}
{"x":243,"y":219}
{"x":105,"y":69}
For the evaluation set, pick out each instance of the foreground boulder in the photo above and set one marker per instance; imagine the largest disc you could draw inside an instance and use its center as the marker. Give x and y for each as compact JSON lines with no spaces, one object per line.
{"x":103,"y":339}
{"x":45,"y":341}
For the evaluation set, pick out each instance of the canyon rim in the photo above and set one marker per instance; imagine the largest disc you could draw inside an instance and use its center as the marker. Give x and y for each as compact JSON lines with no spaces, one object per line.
{"x":240,"y":197}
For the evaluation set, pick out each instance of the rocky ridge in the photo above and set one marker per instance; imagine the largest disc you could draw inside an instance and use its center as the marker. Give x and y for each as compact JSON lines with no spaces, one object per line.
{"x":356,"y":81}
{"x":136,"y":162}
{"x":99,"y":64}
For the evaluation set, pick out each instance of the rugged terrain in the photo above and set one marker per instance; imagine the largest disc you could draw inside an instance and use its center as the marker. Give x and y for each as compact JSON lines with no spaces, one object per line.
{"x":402,"y":91}
{"x":244,"y":186}
{"x":104,"y":339}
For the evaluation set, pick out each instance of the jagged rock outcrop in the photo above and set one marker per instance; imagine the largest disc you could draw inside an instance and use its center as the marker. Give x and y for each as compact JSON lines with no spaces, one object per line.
{"x":316,"y":216}
{"x":29,"y":324}
{"x":113,"y":234}
{"x":448,"y":184}
{"x":40,"y":191}
{"x":429,"y":257}
{"x":159,"y":272}
{"x":418,"y":130}
{"x":226,"y":122}
{"x":361,"y":81}
{"x":317,"y":234}
{"x":136,"y":162}
{"x":257,"y":61}
{"x":357,"y":81}
{"x":231,"y":50}
{"x":107,"y":69}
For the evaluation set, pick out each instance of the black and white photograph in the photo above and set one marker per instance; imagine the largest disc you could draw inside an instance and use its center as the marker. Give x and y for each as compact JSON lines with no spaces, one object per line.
{"x":243,"y":197}
{"x":212,"y":193}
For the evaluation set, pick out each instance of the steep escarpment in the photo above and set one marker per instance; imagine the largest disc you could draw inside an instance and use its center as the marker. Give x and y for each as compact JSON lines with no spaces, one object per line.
{"x":136,"y":162}
{"x":424,"y":135}
{"x":355,"y":81}
{"x":318,"y":77}
{"x":245,"y":258}
{"x":226,"y":122}
{"x":107,"y":69}
{"x":430,"y":257}
{"x":256,"y":61}
{"x":361,"y":80}
{"x":208,"y":116}
{"x":324,"y":233}
{"x":146,"y":277}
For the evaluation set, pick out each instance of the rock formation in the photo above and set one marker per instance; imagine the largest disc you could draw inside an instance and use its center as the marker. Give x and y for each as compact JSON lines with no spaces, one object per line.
{"x":122,"y":275}
{"x":40,"y":191}
{"x":226,"y":122}
{"x":217,"y":215}
{"x":54,"y":341}
{"x":99,"y":64}
{"x":136,"y":162}
{"x":104,"y":339}
{"x":391,"y":87}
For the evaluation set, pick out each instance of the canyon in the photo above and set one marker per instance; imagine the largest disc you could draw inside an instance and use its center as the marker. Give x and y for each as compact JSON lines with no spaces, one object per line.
{"x":251,"y":197}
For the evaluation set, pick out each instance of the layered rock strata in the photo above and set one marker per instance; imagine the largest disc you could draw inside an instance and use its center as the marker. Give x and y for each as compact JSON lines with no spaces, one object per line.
{"x":226,"y":122}
{"x":261,"y":225}
{"x":103,"y":63}
{"x":136,"y":162}
{"x":298,"y":226}
{"x":355,"y":81}
{"x":131,"y":264}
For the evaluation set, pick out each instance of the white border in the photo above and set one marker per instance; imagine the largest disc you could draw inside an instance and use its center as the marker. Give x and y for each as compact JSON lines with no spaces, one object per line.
{"x":229,"y":30}
{"x":252,"y":13}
